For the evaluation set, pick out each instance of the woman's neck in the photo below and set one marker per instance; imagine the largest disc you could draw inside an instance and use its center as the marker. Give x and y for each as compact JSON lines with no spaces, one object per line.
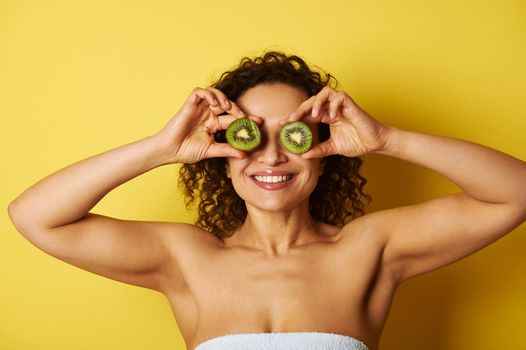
{"x":275,"y":233}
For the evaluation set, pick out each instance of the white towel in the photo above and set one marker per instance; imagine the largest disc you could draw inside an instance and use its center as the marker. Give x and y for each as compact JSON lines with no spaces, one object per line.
{"x":283,"y":341}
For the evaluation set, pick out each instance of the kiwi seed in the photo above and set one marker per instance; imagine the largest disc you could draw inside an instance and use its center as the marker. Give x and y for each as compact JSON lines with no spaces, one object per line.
{"x":296,"y":137}
{"x":243,"y":134}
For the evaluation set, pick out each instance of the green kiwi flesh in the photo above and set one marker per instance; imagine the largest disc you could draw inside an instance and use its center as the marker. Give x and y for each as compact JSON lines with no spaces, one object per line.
{"x":296,"y":137}
{"x":243,"y":134}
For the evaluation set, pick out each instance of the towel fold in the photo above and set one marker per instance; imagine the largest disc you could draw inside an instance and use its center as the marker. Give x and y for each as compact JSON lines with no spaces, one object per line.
{"x":283,"y":341}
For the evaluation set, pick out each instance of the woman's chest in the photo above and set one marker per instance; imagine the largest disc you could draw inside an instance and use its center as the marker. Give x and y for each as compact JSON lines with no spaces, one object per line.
{"x":279,"y":292}
{"x":318,"y":289}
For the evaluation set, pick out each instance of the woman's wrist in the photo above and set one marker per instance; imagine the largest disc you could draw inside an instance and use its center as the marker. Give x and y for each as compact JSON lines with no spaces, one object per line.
{"x":162,"y":150}
{"x":391,"y":137}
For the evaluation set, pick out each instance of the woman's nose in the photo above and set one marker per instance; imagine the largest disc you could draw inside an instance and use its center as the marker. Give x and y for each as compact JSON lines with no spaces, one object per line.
{"x":271,"y":152}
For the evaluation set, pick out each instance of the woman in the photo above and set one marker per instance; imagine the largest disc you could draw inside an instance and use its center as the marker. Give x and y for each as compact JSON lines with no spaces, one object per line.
{"x":284,"y":267}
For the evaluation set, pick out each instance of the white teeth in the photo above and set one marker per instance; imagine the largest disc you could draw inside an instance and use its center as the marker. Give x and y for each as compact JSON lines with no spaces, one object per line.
{"x":273,"y":179}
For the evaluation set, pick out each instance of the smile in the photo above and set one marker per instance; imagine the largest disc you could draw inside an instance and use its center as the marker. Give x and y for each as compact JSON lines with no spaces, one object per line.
{"x":273,"y":182}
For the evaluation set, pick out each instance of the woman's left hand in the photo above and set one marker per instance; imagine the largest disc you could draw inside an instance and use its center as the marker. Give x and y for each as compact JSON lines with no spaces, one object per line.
{"x":353,"y":131}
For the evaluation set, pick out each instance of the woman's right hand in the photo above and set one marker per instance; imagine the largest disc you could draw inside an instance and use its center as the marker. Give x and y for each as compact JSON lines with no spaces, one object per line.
{"x":188,"y":136}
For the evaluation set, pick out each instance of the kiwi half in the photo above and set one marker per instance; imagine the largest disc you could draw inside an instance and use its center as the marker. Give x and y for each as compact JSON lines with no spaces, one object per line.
{"x":296,"y":137}
{"x":243,"y":134}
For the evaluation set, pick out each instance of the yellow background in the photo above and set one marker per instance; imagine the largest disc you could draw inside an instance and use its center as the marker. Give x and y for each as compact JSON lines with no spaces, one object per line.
{"x":81,"y":77}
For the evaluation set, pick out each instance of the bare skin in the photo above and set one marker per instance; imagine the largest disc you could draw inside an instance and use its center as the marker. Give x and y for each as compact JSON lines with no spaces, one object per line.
{"x":331,"y":283}
{"x":281,"y":271}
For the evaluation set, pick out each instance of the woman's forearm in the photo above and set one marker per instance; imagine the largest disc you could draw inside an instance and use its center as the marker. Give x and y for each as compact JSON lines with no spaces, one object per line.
{"x":70,"y":193}
{"x":481,"y":172}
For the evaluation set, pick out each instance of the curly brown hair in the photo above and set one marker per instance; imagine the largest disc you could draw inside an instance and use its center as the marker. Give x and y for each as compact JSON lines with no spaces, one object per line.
{"x":338,"y":196}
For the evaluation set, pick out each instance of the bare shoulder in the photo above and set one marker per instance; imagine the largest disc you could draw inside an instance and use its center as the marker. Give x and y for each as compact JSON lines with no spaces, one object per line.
{"x":186,"y":239}
{"x":188,"y":245}
{"x":366,"y":229}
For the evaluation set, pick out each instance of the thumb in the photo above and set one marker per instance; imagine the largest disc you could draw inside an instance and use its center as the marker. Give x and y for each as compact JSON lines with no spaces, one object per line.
{"x":224,"y":150}
{"x":321,"y":150}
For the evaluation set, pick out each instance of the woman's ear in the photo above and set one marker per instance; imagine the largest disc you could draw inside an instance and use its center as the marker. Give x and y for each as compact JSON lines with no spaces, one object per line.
{"x":227,"y":170}
{"x":322,"y":167}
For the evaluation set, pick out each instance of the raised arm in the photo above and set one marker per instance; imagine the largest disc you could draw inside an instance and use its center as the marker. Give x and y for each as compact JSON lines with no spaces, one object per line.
{"x":430,"y":235}
{"x":54,"y":214}
{"x":423,"y":237}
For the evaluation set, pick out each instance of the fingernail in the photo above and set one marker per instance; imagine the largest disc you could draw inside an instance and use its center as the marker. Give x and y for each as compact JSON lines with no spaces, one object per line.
{"x":315,"y":111}
{"x":331,"y":114}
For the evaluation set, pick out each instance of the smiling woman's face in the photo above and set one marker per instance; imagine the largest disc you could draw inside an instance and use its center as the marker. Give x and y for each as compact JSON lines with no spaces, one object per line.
{"x":254,"y":178}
